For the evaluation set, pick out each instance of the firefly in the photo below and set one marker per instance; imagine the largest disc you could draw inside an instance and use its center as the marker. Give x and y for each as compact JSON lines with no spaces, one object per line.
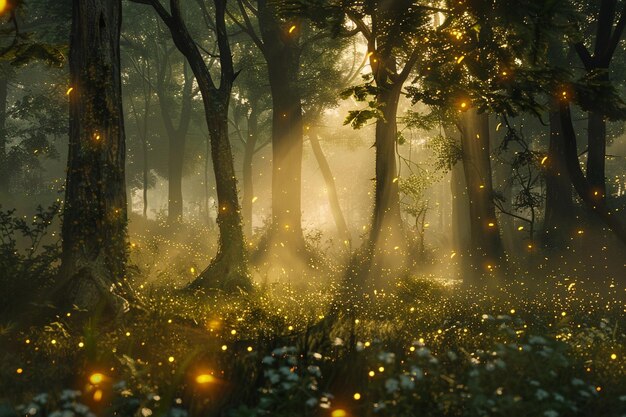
{"x":69,"y":90}
{"x":291,"y":29}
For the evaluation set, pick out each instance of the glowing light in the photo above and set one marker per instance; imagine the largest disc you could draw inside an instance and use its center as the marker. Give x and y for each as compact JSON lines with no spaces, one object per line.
{"x":96,"y":378}
{"x":170,"y":359}
{"x":543,"y":161}
{"x":192,"y":270}
{"x":53,"y":341}
{"x":69,"y":90}
{"x":81,"y":344}
{"x":19,"y":370}
{"x":381,"y":369}
{"x":292,"y":29}
{"x":520,"y":228}
{"x":492,"y":224}
{"x":233,"y":332}
{"x":463,"y":105}
{"x":461,"y":58}
{"x":97,"y":396}
{"x":254,"y":199}
{"x":339,"y":413}
{"x":205,"y":379}
{"x":613,"y":357}
{"x":224,"y":347}
{"x":453,"y":255}
{"x":356,"y":396}
{"x":249,"y":349}
{"x":371,"y":373}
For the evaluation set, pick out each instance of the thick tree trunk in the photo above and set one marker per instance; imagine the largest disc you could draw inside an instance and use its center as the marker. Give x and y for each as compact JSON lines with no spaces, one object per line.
{"x":560,"y":207}
{"x":282,"y":54}
{"x":248,"y":184}
{"x":486,"y":245}
{"x":93,"y":264}
{"x":460,"y":210}
{"x":4,"y":172}
{"x":329,"y":180}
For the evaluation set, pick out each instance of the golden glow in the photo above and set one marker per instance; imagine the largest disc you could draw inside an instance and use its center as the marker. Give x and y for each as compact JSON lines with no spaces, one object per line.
{"x":356,"y":396}
{"x":460,"y":59}
{"x":205,"y":379}
{"x":292,"y":29}
{"x":97,"y":396}
{"x":69,"y":90}
{"x":543,"y":161}
{"x":339,"y":413}
{"x":19,"y":370}
{"x":96,"y":378}
{"x":170,"y":359}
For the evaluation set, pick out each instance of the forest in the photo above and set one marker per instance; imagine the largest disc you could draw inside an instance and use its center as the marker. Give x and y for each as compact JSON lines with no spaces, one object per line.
{"x":312,"y":208}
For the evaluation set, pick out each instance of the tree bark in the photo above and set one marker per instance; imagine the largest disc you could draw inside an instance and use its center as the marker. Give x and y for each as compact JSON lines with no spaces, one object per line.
{"x":594,"y":202}
{"x":248,"y":184}
{"x":282,"y":54}
{"x":177,"y":138}
{"x":387,"y":222}
{"x":93,"y":263}
{"x":329,"y":180}
{"x":4,"y":172}
{"x":228,"y":270}
{"x":486,"y":245}
{"x":559,"y":203}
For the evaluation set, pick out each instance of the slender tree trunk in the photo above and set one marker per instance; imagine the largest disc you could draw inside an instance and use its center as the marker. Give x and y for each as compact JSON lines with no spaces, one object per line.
{"x":486,"y":245}
{"x":229,"y":269}
{"x":93,"y":264}
{"x":145,"y":178}
{"x":596,"y":155}
{"x":592,"y":200}
{"x":387,"y":222}
{"x":329,"y":180}
{"x":177,"y":138}
{"x":4,"y":172}
{"x":560,"y":207}
{"x":248,"y":184}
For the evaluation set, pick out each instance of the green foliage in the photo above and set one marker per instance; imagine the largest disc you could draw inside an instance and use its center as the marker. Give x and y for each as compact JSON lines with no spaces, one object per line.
{"x":27,"y":262}
{"x":447,"y":151}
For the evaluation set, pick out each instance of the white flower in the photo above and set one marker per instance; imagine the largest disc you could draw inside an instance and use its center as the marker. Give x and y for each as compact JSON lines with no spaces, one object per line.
{"x":541,"y":394}
{"x":391,"y":385}
{"x":406,"y":382}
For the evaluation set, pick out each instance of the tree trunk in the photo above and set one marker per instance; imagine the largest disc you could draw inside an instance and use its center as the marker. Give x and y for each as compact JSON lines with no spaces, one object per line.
{"x":387,"y":222}
{"x":282,"y":54}
{"x":93,"y":264}
{"x":329,"y":180}
{"x":559,"y":203}
{"x":228,"y":270}
{"x":586,"y":192}
{"x":486,"y":245}
{"x":248,"y":184}
{"x":177,"y":138}
{"x":596,"y":155}
{"x":4,"y":172}
{"x":460,"y":210}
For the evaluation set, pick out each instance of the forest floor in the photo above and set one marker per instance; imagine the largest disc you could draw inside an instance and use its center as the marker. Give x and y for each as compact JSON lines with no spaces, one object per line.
{"x":423,"y":347}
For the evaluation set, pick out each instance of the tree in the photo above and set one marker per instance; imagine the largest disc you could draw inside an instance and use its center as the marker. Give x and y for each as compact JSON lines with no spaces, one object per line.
{"x":93,"y":262}
{"x":228,"y":270}
{"x":609,"y":31}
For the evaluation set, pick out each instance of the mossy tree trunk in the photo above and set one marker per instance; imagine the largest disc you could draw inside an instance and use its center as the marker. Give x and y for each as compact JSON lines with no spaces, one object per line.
{"x":93,"y":265}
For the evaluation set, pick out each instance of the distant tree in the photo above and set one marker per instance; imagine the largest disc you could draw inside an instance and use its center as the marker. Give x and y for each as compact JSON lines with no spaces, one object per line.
{"x":94,"y":249}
